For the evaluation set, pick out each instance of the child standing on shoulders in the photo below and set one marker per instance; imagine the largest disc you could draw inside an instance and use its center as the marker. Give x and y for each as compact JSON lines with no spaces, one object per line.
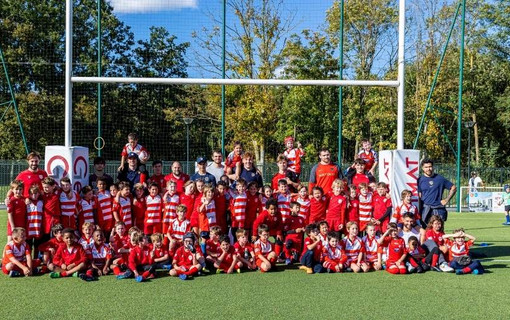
{"x":233,"y":162}
{"x":16,"y":209}
{"x":293,"y":156}
{"x":397,"y":252}
{"x":459,"y":253}
{"x":312,"y":251}
{"x":133,"y":146}
{"x":265,"y":257}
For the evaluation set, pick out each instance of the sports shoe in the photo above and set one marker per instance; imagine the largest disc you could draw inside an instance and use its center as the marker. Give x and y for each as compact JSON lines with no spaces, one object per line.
{"x":348,"y":270}
{"x":410,"y":268}
{"x":139,"y":279}
{"x":14,"y":273}
{"x":309,"y":270}
{"x":167,"y":266}
{"x":238,"y":270}
{"x":445,"y":267}
{"x":436,"y":269}
{"x":288,"y":262}
{"x":55,"y":275}
{"x":303,"y":268}
{"x":218,"y":271}
{"x":205,"y":270}
{"x":459,"y":272}
{"x":182,"y":276}
{"x":122,"y":276}
{"x":476,"y":271}
{"x":506,"y":223}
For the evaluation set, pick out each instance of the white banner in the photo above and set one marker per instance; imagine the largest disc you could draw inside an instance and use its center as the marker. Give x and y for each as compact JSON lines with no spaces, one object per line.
{"x":385,"y":166}
{"x":485,"y":201}
{"x":70,"y":162}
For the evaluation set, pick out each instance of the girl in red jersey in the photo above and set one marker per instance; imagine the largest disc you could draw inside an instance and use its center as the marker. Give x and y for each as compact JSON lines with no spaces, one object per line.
{"x":434,"y":240}
{"x":335,"y":214}
{"x":188,"y":197}
{"x":397,"y":252}
{"x":353,"y":205}
{"x":139,"y":206}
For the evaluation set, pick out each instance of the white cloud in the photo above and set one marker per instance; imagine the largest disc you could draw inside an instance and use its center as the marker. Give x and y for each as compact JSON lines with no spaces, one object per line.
{"x":143,"y":6}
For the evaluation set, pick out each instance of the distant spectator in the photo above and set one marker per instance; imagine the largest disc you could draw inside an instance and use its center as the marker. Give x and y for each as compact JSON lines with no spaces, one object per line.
{"x":99,"y":166}
{"x":178,"y":176}
{"x":216,"y":168}
{"x":475,"y":182}
{"x":202,"y":173}
{"x":324,"y":173}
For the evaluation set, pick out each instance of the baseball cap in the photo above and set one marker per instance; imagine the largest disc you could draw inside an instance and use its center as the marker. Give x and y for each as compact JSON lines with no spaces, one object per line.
{"x":132,"y":155}
{"x":201,"y":159}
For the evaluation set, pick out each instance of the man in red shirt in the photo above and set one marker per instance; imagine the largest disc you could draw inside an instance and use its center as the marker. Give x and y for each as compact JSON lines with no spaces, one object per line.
{"x":33,"y":175}
{"x":324,"y":173}
{"x":178,"y":176}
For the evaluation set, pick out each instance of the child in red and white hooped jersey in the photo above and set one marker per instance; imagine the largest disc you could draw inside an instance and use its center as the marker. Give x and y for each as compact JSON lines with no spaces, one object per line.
{"x":34,"y":231}
{"x":16,"y":209}
{"x":158,"y":252}
{"x":352,"y":205}
{"x":87,"y":206}
{"x":238,"y":203}
{"x":318,"y":205}
{"x":171,"y":200}
{"x":186,"y":260}
{"x":138,"y":207}
{"x":177,"y":229}
{"x":366,"y":206}
{"x":293,"y":229}
{"x":405,"y":206}
{"x":100,"y":257}
{"x":234,"y":161}
{"x":354,"y":248}
{"x":373,"y":253}
{"x":68,"y":204}
{"x":397,"y":251}
{"x":333,"y":254}
{"x":369,"y":156}
{"x":122,"y":205}
{"x":335,"y":214}
{"x":265,"y":257}
{"x":104,"y":202}
{"x":153,"y":210}
{"x":86,"y":240}
{"x":207,"y":213}
{"x":293,"y":155}
{"x":133,"y":146}
{"x":227,"y":260}
{"x":17,"y":258}
{"x":283,"y":197}
{"x":244,"y":250}
{"x":304,"y":201}
{"x":459,"y":253}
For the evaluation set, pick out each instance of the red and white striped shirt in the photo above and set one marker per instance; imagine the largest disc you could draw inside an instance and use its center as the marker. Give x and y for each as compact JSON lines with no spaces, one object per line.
{"x":365,"y":208}
{"x":18,"y":251}
{"x":104,"y":206}
{"x":396,"y":217}
{"x":457,"y":250}
{"x":294,"y":159}
{"x":178,"y":228}
{"x":123,"y":207}
{"x":68,"y":206}
{"x":336,"y":254}
{"x":170,"y":211}
{"x":263,"y":248}
{"x":371,"y":248}
{"x":154,"y":206}
{"x":210,"y":213}
{"x":86,"y":211}
{"x":284,"y":205}
{"x":34,"y":219}
{"x":304,"y":210}
{"x":352,"y":248}
{"x":239,"y":209}
{"x":99,"y":254}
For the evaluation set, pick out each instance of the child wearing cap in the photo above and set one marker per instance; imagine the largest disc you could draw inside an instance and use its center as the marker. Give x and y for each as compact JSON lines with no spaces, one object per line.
{"x":202,"y":174}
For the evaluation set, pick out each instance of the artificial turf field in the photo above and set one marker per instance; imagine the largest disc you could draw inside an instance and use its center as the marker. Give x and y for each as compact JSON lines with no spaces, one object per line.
{"x":283,"y":294}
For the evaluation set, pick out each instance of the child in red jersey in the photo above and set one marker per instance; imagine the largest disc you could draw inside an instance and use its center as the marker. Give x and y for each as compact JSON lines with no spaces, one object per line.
{"x":253,"y":200}
{"x":311,"y":257}
{"x":16,"y":209}
{"x":199,"y":184}
{"x":186,"y":259}
{"x":304,"y":202}
{"x":353,"y":205}
{"x":122,"y":205}
{"x":459,"y":253}
{"x":139,"y":207}
{"x":335,"y":214}
{"x":68,"y":204}
{"x":265,"y":257}
{"x":206,"y":215}
{"x":238,"y":206}
{"x":227,"y":261}
{"x":373,"y":255}
{"x":188,"y":197}
{"x":212,"y":246}
{"x":221,"y":202}
{"x":49,"y":248}
{"x":177,"y":229}
{"x":323,"y":232}
{"x":365,"y":206}
{"x":283,"y":197}
{"x":397,"y":252}
{"x":433,"y":238}
{"x":244,"y":250}
{"x":293,"y":156}
{"x":405,"y":206}
{"x":17,"y":258}
{"x":104,"y":216}
{"x":333,"y":254}
{"x":87,"y":206}
{"x":34,"y":219}
{"x":120,"y":243}
{"x":293,"y":229}
{"x":382,"y":207}
{"x":153,"y":211}
{"x":416,"y":256}
{"x":133,"y":146}
{"x":233,"y":161}
{"x":100,"y":257}
{"x":171,"y":200}
{"x":318,"y":205}
{"x":51,"y":206}
{"x":139,"y":263}
{"x":159,"y":254}
{"x":273,"y":221}
{"x":68,"y":259}
{"x":354,"y":249}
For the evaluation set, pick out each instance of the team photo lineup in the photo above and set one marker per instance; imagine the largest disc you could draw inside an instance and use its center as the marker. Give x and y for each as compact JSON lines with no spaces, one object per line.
{"x":224,"y":219}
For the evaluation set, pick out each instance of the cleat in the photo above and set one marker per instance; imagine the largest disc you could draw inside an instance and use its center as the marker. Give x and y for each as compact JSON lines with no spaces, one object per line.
{"x":55,"y":275}
{"x":238,"y":270}
{"x":309,"y":271}
{"x":303,"y":268}
{"x":436,"y":269}
{"x":139,"y":279}
{"x":183,"y":276}
{"x":506,"y":223}
{"x":288,"y":261}
{"x":476,"y":271}
{"x":218,"y":271}
{"x":167,"y":266}
{"x":14,"y":273}
{"x":121,"y":276}
{"x":445,"y":267}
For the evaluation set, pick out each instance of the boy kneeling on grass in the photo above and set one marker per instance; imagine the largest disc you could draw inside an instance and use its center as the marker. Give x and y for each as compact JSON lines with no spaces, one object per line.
{"x":17,"y":259}
{"x":140,"y":264}
{"x":186,"y":262}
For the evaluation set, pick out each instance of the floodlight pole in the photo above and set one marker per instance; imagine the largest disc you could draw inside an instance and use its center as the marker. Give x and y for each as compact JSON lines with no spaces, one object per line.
{"x":68,"y":74}
{"x":187,"y":122}
{"x":401,"y":75}
{"x":459,"y":115}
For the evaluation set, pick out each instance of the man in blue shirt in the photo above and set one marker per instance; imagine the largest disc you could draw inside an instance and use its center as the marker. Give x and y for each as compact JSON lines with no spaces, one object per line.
{"x":202,"y":174}
{"x":430,"y":191}
{"x":249,"y":172}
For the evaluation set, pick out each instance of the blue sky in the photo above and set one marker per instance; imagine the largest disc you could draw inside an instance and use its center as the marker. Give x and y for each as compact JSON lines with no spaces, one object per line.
{"x":182,"y":17}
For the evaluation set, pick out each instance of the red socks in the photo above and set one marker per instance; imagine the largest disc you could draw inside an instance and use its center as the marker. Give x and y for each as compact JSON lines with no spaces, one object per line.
{"x":116,"y":271}
{"x":435,"y":257}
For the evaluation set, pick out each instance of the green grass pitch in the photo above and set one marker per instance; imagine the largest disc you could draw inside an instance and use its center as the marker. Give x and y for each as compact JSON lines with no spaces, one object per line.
{"x":283,"y":294}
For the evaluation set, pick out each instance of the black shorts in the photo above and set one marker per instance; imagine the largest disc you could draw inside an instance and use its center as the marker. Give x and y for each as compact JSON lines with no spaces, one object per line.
{"x":507,"y":208}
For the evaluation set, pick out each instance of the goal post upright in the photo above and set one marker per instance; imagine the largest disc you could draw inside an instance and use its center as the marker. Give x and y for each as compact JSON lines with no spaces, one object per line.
{"x":68,"y":75}
{"x":401,"y":74}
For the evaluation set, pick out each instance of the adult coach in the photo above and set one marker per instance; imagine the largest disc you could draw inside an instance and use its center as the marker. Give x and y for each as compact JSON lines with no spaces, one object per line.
{"x":430,"y":191}
{"x":216,"y":168}
{"x":202,"y":173}
{"x":249,"y":172}
{"x":324,"y":173}
{"x":179,"y":177}
{"x":132,"y":172}
{"x":32,"y":175}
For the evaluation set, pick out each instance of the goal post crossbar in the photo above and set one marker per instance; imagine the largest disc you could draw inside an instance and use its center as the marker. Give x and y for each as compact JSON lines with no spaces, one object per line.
{"x":212,"y":81}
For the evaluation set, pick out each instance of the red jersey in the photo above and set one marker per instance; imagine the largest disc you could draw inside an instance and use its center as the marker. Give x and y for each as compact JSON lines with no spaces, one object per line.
{"x":69,"y":208}
{"x":34,"y":219}
{"x":240,"y":250}
{"x":86,"y":209}
{"x":277,"y":177}
{"x":18,"y":251}
{"x":212,"y":248}
{"x":104,"y":210}
{"x":67,"y":256}
{"x":273,"y":222}
{"x":291,"y":224}
{"x":353,"y":210}
{"x":400,"y":210}
{"x":238,"y":209}
{"x":437,"y":237}
{"x":180,"y":181}
{"x":262,"y":247}
{"x":154,"y":207}
{"x":158,"y":252}
{"x":99,"y":254}
{"x":138,"y":207}
{"x":139,"y":256}
{"x":118,"y":242}
{"x":335,"y":254}
{"x":304,"y":208}
{"x":51,"y":211}
{"x":30,"y":178}
{"x":178,"y":229}
{"x":336,"y":210}
{"x":128,"y":149}
{"x":318,"y":209}
{"x":381,"y":205}
{"x":359,"y":178}
{"x":323,"y":175}
{"x":207,"y":217}
{"x":456,"y":250}
{"x":123,"y":209}
{"x":170,"y":208}
{"x":293,"y":157}
{"x":365,"y":210}
{"x":53,"y":243}
{"x":396,"y":249}
{"x":183,"y":257}
{"x":371,"y":248}
{"x":252,"y":208}
{"x":317,"y":251}
{"x":369,"y":157}
{"x":18,"y":209}
{"x":233,"y":159}
{"x":220,"y":201}
{"x":159,"y":180}
{"x":189,"y":202}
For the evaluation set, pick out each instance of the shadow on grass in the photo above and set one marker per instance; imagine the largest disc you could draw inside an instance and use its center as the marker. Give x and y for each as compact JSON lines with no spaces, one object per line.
{"x":494,"y":266}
